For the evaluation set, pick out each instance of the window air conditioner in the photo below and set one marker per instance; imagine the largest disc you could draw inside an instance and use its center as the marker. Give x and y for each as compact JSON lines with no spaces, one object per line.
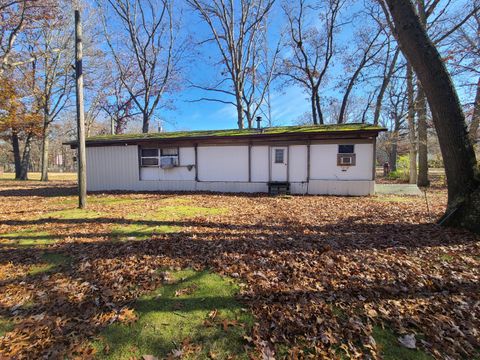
{"x":168,"y":162}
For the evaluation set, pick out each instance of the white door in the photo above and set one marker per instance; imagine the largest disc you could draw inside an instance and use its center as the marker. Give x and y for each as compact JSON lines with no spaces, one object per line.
{"x":279,"y":163}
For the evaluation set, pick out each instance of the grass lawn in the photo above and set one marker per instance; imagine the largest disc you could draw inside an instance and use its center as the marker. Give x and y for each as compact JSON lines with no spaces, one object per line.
{"x":49,"y":262}
{"x":36,"y":176}
{"x":392,"y":350}
{"x":195,"y":317}
{"x":224,"y":276}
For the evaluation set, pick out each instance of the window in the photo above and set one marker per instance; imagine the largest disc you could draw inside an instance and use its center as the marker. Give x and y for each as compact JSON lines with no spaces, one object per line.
{"x":168,"y":158}
{"x":346,"y":156}
{"x":346,"y":149}
{"x":279,"y":156}
{"x":169,"y":152}
{"x":149,"y":157}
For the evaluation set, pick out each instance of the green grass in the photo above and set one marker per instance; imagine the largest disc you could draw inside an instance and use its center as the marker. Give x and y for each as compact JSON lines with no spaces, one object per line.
{"x":446,"y":257}
{"x":390,"y":348}
{"x":182,"y":312}
{"x":185,"y":212}
{"x":73,"y":214}
{"x":102,"y":200}
{"x":35,"y":176}
{"x":50,"y":261}
{"x":141,"y":231}
{"x":27,"y":237}
{"x":6,"y":325}
{"x":237,"y":132}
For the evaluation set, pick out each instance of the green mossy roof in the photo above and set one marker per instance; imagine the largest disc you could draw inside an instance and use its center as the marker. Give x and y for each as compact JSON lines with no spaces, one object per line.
{"x":238,"y":133}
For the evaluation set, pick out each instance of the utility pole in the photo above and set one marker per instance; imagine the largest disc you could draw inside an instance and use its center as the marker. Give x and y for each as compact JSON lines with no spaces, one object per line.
{"x":82,"y":158}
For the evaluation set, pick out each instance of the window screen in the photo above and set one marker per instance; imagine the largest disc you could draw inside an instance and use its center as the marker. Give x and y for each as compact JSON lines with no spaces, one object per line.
{"x":149,"y":152}
{"x":279,"y":156}
{"x":346,"y":149}
{"x":149,"y":157}
{"x":149,"y":161}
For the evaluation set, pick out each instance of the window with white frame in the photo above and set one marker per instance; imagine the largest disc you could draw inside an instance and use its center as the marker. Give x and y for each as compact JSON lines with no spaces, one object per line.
{"x":149,"y":158}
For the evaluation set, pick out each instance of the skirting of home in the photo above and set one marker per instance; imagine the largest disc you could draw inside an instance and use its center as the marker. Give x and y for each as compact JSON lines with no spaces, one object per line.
{"x":313,"y":187}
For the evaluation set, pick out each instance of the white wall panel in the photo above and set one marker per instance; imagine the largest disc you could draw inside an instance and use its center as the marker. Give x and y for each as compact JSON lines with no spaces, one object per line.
{"x":297,"y":163}
{"x":259,"y":163}
{"x":323,"y":163}
{"x":223,"y":163}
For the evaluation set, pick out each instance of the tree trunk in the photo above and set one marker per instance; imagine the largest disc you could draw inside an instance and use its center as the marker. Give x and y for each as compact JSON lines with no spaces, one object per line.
{"x":16,"y":155}
{"x":383,"y":87}
{"x":476,"y":116}
{"x":25,"y":159}
{"x":422,"y":138}
{"x":146,"y":122}
{"x":459,"y":158}
{"x":411,"y":127}
{"x":44,"y":159}
{"x":319,"y":108}
{"x":341,"y":116}
{"x":394,"y":152}
{"x":314,"y":109}
{"x":239,"y":114}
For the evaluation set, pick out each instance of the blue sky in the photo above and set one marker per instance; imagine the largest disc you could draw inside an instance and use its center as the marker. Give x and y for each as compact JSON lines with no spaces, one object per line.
{"x":289,"y":103}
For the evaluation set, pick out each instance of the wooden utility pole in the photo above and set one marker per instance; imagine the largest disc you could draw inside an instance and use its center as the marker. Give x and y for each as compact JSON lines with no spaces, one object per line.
{"x":81,"y":156}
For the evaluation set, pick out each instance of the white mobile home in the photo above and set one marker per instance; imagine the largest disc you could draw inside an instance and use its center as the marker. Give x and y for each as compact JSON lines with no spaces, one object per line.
{"x":325,"y":159}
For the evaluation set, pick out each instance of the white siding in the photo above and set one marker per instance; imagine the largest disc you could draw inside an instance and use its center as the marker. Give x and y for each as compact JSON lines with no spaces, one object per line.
{"x":259,"y":163}
{"x":112,"y":168}
{"x":297,"y":163}
{"x":323,"y":163}
{"x":225,"y":169}
{"x":341,"y":187}
{"x":223,"y":163}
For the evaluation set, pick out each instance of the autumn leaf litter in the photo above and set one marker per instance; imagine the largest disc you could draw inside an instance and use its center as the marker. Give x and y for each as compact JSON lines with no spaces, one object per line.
{"x":317,"y":272}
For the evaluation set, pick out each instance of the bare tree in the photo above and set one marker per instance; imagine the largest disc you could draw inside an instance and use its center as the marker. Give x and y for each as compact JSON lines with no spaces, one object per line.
{"x":412,"y":135}
{"x":146,"y":57}
{"x":459,"y":158}
{"x":397,"y":108}
{"x":312,"y":48}
{"x":369,"y":48}
{"x":16,"y":16}
{"x":464,"y":51}
{"x":238,"y":31}
{"x":51,"y":48}
{"x":117,"y":104}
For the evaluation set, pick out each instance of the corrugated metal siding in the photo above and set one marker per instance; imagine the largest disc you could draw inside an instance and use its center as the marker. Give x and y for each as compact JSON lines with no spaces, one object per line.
{"x":112,"y":168}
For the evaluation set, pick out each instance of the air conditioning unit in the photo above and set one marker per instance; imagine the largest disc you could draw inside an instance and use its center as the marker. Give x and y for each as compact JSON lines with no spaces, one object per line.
{"x":168,"y":162}
{"x":346,"y":160}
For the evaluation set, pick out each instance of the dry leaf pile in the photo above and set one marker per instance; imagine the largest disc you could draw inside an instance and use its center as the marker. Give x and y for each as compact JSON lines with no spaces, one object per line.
{"x":317,"y":272}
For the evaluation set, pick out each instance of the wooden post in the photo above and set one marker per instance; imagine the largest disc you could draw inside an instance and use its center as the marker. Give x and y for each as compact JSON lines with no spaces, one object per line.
{"x":81,"y":158}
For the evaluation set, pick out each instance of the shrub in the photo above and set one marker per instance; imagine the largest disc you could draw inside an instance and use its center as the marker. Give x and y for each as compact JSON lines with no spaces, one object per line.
{"x":403,"y":169}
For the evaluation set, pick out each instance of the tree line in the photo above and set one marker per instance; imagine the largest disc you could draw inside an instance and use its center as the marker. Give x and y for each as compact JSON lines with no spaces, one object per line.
{"x":347,"y":56}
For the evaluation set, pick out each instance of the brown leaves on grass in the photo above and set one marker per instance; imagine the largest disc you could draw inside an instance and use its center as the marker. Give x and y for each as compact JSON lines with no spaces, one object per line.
{"x":317,"y":272}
